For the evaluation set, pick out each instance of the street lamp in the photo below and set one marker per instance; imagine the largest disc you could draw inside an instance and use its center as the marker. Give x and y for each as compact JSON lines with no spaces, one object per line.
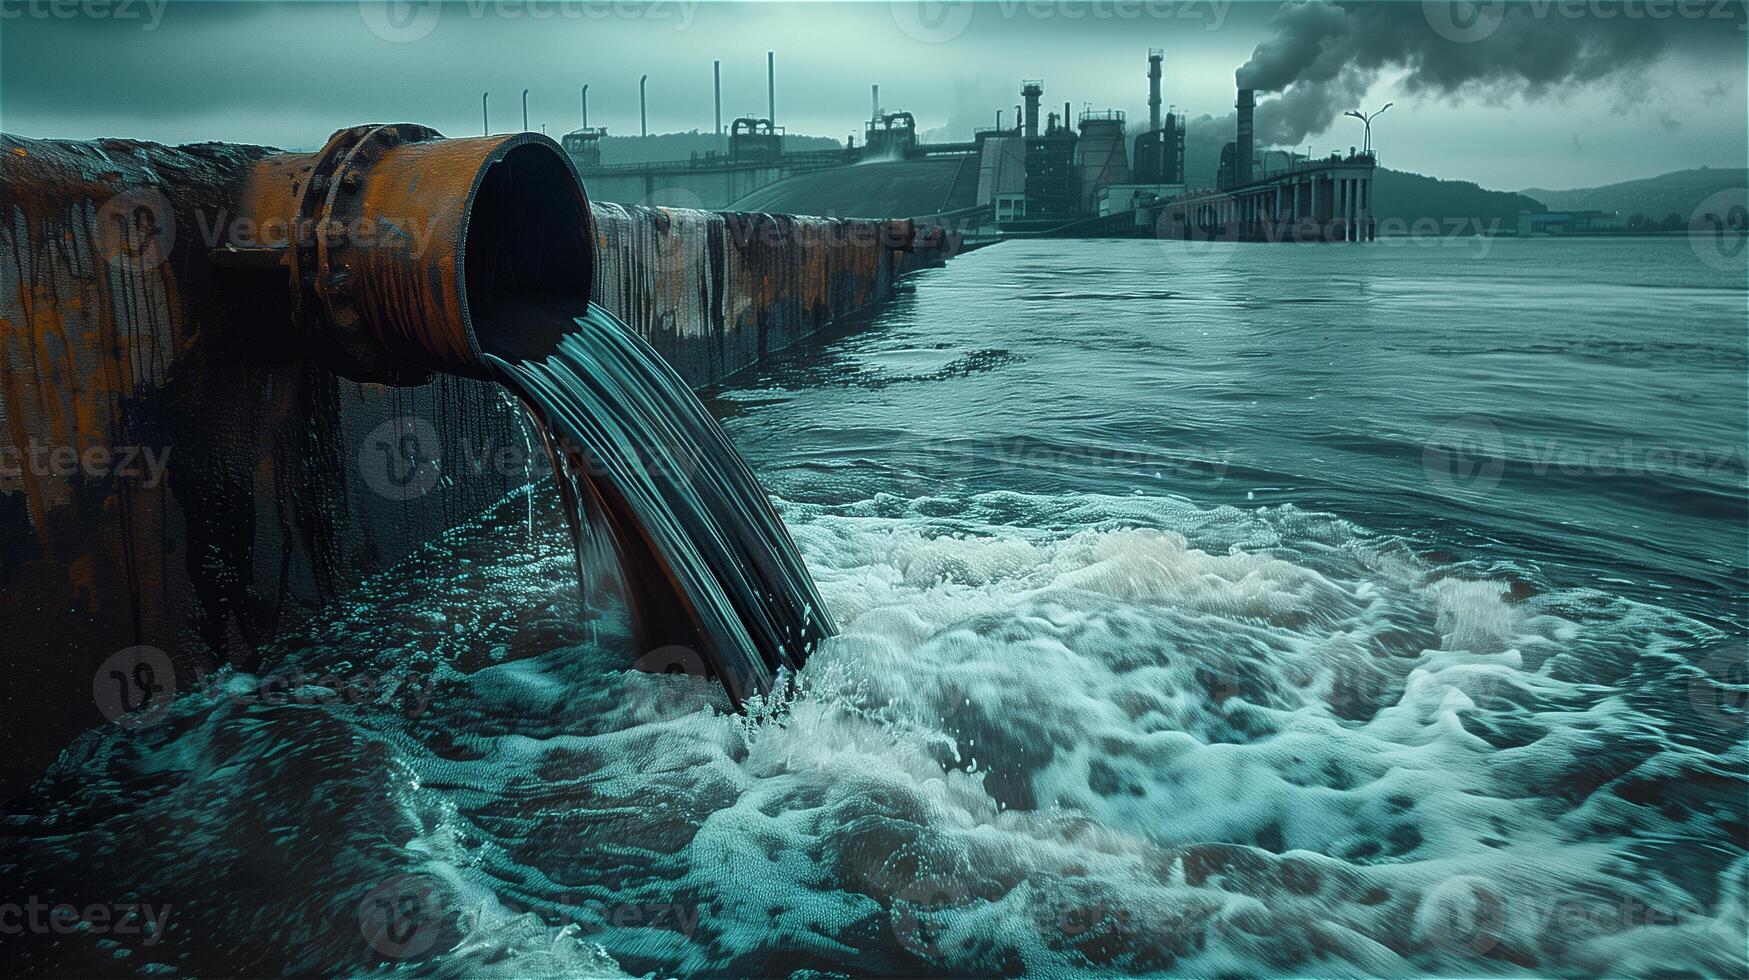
{"x":643,"y":118}
{"x":1366,"y":120}
{"x":485,"y":117}
{"x":525,"y":110}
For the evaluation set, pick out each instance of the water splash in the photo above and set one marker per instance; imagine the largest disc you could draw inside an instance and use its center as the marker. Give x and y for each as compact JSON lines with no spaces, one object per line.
{"x":656,"y":491}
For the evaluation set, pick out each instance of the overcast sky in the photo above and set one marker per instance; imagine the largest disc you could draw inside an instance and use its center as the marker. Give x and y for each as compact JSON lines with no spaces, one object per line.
{"x":1545,"y":94}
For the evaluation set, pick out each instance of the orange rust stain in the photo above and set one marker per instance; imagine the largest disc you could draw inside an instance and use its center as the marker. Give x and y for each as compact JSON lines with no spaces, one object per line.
{"x":82,"y":581}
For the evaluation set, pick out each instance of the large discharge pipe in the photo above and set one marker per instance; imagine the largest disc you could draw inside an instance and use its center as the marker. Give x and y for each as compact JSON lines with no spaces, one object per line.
{"x":406,"y":253}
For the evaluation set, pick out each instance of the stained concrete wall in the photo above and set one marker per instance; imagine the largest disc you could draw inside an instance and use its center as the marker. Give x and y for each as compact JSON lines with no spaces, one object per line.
{"x":282,"y":484}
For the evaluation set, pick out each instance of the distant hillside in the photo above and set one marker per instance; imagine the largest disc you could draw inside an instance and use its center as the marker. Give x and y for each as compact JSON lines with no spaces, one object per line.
{"x":1655,"y":197}
{"x":681,"y":146}
{"x":1403,"y":198}
{"x":894,"y":188}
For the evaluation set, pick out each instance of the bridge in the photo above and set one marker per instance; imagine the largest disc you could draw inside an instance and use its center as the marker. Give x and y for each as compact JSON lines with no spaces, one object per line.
{"x":1323,"y":200}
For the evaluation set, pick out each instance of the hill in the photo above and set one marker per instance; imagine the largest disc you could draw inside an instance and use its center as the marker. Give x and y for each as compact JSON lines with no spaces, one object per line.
{"x":681,"y":146}
{"x":1404,"y":198}
{"x":1679,"y":192}
{"x":894,"y":188}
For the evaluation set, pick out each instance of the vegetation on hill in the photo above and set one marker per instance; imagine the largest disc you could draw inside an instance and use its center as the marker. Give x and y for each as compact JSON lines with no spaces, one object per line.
{"x":1459,"y":206}
{"x":1652,"y":199}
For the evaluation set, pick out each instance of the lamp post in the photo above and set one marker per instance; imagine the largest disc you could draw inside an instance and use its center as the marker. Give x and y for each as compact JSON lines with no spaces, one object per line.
{"x":525,"y":110}
{"x":485,"y":118}
{"x":585,"y":107}
{"x":1366,"y":120}
{"x":643,"y":117}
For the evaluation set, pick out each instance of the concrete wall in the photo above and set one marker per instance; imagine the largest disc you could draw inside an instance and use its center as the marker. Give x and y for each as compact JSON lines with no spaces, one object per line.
{"x":282,"y":484}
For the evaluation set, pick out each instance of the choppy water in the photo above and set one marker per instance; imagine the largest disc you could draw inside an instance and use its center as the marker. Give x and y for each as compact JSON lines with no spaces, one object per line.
{"x":1360,"y":611}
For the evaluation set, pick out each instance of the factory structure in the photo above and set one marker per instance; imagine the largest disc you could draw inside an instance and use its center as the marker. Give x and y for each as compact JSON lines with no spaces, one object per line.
{"x":1045,"y":174}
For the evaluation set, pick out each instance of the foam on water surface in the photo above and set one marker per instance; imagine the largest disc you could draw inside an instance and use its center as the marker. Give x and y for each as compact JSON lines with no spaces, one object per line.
{"x":1056,"y":734}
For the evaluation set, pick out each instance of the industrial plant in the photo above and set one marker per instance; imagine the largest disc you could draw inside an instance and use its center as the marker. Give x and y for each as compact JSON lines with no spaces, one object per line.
{"x":1044,"y":174}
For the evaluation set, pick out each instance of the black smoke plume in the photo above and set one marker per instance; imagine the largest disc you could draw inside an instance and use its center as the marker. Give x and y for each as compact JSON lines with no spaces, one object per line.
{"x":1325,"y":55}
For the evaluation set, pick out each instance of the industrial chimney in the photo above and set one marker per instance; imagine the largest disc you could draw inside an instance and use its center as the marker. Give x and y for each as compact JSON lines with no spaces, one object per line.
{"x":1242,"y":141}
{"x":875,"y":111}
{"x":1030,"y":92}
{"x":1155,"y":56}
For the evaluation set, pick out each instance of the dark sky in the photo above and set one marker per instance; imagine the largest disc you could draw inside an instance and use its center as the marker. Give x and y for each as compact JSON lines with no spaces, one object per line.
{"x":1547,"y":94}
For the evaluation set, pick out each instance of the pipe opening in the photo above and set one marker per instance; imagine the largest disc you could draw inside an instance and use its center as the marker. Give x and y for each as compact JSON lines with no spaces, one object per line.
{"x":527,"y":254}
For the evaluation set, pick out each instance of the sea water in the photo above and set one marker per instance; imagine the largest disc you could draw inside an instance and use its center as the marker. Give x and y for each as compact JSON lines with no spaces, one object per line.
{"x":1248,"y":610}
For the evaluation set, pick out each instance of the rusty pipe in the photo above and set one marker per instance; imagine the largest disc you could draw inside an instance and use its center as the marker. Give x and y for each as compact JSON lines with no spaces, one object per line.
{"x":407,"y":253}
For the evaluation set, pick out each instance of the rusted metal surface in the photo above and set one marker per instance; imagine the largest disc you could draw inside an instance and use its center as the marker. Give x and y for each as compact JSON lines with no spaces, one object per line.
{"x":183,"y":466}
{"x":396,"y":241}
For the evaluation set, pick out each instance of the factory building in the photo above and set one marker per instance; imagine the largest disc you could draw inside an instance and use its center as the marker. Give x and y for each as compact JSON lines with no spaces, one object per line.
{"x":1043,"y":173}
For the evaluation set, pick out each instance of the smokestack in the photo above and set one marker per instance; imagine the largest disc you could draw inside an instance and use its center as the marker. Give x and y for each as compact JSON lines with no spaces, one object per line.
{"x":771,"y":86}
{"x":717,"y":79}
{"x":1066,"y":123}
{"x":1242,"y":140}
{"x":875,"y":100}
{"x":1030,"y":92}
{"x":1155,"y":56}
